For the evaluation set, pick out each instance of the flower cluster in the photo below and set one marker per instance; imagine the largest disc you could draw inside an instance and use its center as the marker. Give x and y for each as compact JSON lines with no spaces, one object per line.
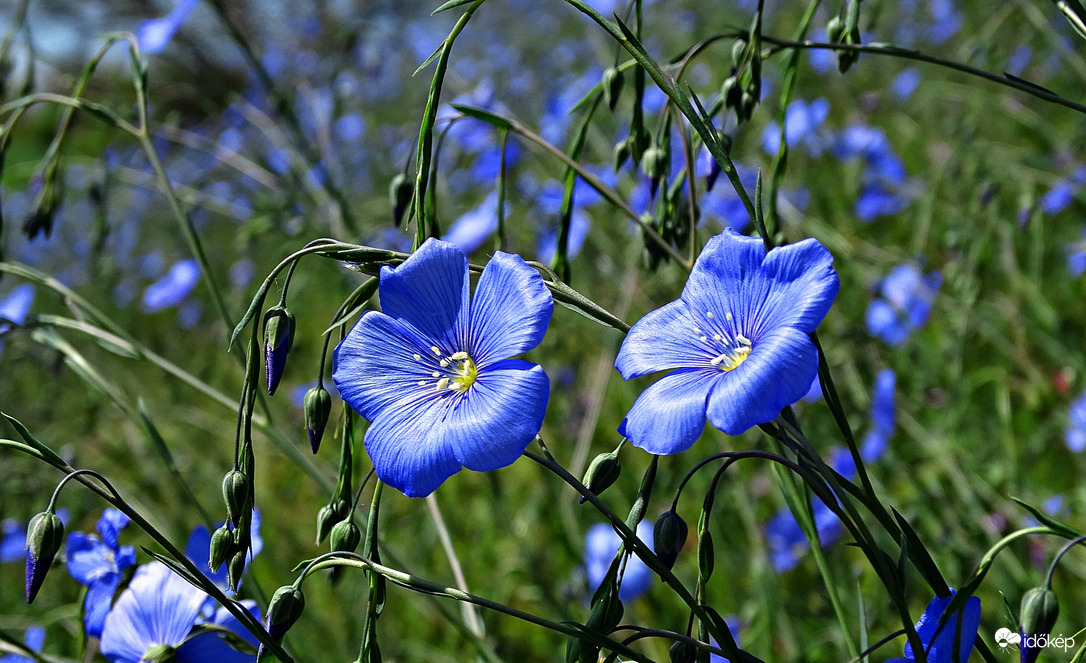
{"x":905,"y":298}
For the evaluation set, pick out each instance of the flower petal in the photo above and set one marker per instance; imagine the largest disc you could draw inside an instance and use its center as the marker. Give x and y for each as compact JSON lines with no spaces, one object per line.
{"x":498,"y":416}
{"x":664,"y":339}
{"x":777,"y":373}
{"x":88,"y":558}
{"x":407,"y":448}
{"x":110,"y":525}
{"x":430,"y":292}
{"x":158,"y":608}
{"x":375,"y":363}
{"x":670,"y":415}
{"x":792,"y":285}
{"x":98,"y":602}
{"x":510,"y":310}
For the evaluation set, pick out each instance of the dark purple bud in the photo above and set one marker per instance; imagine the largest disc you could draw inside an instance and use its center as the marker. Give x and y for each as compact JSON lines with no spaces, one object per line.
{"x":278,"y":337}
{"x":44,"y":536}
{"x":285,"y":608}
{"x":317,"y":407}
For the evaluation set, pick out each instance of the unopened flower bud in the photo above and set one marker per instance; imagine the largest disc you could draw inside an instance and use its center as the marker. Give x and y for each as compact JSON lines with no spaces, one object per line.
{"x":669,"y":537}
{"x":639,"y":141}
{"x":285,"y":608}
{"x":1039,"y":611}
{"x":612,"y":86}
{"x":400,"y":191}
{"x":45,"y":208}
{"x":235,"y":493}
{"x":747,"y":103}
{"x":278,"y":337}
{"x":835,"y":30}
{"x":235,"y":567}
{"x":602,"y":472}
{"x":317,"y":407}
{"x":739,"y":48}
{"x":682,"y":652}
{"x":345,"y":536}
{"x":732,"y":92}
{"x":44,"y":536}
{"x":328,"y":516}
{"x":654,"y":162}
{"x":622,"y":153}
{"x":222,"y":541}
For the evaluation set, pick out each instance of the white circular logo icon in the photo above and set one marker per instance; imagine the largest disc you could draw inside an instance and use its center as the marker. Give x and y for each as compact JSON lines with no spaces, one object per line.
{"x":1005,"y":637}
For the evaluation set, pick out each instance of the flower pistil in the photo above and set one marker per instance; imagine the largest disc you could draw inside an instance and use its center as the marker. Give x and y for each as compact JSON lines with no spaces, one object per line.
{"x":457,"y":371}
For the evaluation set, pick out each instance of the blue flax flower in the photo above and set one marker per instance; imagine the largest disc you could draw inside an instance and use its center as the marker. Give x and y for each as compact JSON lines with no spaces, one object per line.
{"x":600,"y":546}
{"x":939,"y":643}
{"x":173,"y":288}
{"x":14,"y":308}
{"x":99,"y":564}
{"x":736,"y":342}
{"x":432,"y":373}
{"x":12,"y":541}
{"x":159,"y":610}
{"x":34,"y":639}
{"x":1074,"y":435}
{"x":905,"y":304}
{"x":154,"y":34}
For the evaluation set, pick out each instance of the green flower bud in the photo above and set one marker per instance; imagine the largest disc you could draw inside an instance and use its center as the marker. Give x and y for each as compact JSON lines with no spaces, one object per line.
{"x":44,"y":536}
{"x":278,"y":337}
{"x":235,"y":567}
{"x":328,"y":516}
{"x":400,"y":191}
{"x":285,"y":608}
{"x":739,"y":49}
{"x":746,"y":107}
{"x":1039,"y":611}
{"x":835,"y":30}
{"x":732,"y":92}
{"x":682,"y":652}
{"x":45,"y":208}
{"x":222,"y":542}
{"x":235,"y":493}
{"x":669,"y":537}
{"x":602,"y":472}
{"x":622,"y":153}
{"x":705,"y":554}
{"x":345,"y":536}
{"x":639,"y":141}
{"x":612,"y":86}
{"x":655,"y":161}
{"x":317,"y":407}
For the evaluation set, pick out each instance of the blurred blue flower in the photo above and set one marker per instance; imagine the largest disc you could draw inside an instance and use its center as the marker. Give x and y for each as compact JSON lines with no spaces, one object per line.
{"x":1019,"y":60}
{"x":474,"y":226}
{"x":154,"y":34}
{"x":99,"y":564}
{"x":904,"y":302}
{"x":14,"y":308}
{"x":12,"y":541}
{"x":785,"y":537}
{"x":600,"y":546}
{"x":802,"y":124}
{"x":579,"y":226}
{"x":1062,"y":193}
{"x":883,"y":415}
{"x":1076,"y":256}
{"x":432,"y":373}
{"x":822,"y":60}
{"x":34,"y":639}
{"x":733,"y":625}
{"x":905,"y":83}
{"x":876,"y":200}
{"x":961,"y":626}
{"x":159,"y":608}
{"x":947,"y":20}
{"x":1074,"y":435}
{"x":198,"y":549}
{"x":173,"y":288}
{"x":736,"y":342}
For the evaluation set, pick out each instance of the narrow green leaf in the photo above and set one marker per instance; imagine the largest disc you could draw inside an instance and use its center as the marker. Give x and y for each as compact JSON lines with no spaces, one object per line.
{"x":24,"y":433}
{"x":451,"y":4}
{"x":1047,"y":520}
{"x":486,"y":116}
{"x":433,"y":56}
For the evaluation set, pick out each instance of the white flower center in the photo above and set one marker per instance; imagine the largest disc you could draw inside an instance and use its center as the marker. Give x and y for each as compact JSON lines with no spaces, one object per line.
{"x":730,"y":346}
{"x":456,"y":372}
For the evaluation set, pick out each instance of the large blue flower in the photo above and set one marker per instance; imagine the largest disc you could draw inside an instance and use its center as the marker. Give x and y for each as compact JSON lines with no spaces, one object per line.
{"x":160,"y":609}
{"x":736,"y":342}
{"x":432,"y":372}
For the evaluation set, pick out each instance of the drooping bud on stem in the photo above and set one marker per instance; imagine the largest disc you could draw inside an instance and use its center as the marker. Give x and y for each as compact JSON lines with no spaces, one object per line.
{"x":44,"y":536}
{"x":317,"y":407}
{"x":278,"y":337}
